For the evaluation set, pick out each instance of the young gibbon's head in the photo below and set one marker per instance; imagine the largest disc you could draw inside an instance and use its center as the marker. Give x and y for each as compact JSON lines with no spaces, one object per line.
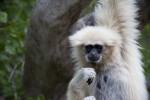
{"x":94,"y":45}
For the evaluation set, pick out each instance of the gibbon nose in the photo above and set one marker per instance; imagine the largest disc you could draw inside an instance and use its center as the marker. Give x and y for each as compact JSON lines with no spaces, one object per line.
{"x":93,"y":57}
{"x":93,"y":53}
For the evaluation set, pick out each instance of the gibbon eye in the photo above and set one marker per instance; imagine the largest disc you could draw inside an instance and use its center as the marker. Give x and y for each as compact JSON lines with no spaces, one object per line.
{"x":99,"y":48}
{"x":88,"y":48}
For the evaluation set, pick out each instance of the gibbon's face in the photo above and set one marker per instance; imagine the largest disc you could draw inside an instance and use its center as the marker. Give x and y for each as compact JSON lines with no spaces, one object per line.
{"x":94,"y":45}
{"x":93,"y":52}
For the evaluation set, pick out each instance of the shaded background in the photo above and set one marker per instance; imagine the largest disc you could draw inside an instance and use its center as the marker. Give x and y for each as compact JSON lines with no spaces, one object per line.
{"x":14,"y":21}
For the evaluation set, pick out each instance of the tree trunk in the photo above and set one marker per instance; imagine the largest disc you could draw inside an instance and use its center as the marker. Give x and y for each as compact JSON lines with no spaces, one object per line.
{"x":48,"y":65}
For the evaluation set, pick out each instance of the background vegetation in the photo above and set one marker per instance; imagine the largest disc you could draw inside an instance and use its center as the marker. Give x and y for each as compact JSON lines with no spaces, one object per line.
{"x":14,"y":20}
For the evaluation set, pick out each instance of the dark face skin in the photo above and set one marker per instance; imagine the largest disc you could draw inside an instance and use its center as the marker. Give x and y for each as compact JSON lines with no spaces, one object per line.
{"x":93,"y":52}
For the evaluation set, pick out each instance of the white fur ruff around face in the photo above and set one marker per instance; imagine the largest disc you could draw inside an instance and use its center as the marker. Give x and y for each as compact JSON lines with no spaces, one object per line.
{"x":95,"y":34}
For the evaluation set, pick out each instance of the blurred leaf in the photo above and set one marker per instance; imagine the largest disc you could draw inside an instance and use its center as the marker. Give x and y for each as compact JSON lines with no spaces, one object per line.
{"x":9,"y":49}
{"x":14,"y":35}
{"x":3,"y":57}
{"x":30,"y":98}
{"x":3,"y":17}
{"x":41,"y":97}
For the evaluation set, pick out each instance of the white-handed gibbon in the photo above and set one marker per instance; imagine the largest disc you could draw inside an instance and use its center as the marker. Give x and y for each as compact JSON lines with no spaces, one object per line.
{"x":107,"y":56}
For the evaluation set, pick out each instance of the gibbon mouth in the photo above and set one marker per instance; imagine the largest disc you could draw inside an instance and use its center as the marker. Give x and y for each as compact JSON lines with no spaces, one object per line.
{"x":93,"y":58}
{"x":94,"y":61}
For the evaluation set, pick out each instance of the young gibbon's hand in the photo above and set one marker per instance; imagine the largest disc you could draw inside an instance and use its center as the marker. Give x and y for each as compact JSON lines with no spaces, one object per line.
{"x":84,"y":77}
{"x":82,"y":84}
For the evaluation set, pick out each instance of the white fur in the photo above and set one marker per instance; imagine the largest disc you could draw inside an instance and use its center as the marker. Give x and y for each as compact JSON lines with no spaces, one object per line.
{"x":89,"y":98}
{"x":116,"y":28}
{"x":94,"y":35}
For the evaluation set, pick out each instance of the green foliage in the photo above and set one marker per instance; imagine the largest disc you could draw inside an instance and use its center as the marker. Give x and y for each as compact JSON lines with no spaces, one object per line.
{"x":40,"y":97}
{"x":3,"y":17}
{"x":30,"y":98}
{"x":14,"y":19}
{"x":144,"y":41}
{"x":91,"y":7}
